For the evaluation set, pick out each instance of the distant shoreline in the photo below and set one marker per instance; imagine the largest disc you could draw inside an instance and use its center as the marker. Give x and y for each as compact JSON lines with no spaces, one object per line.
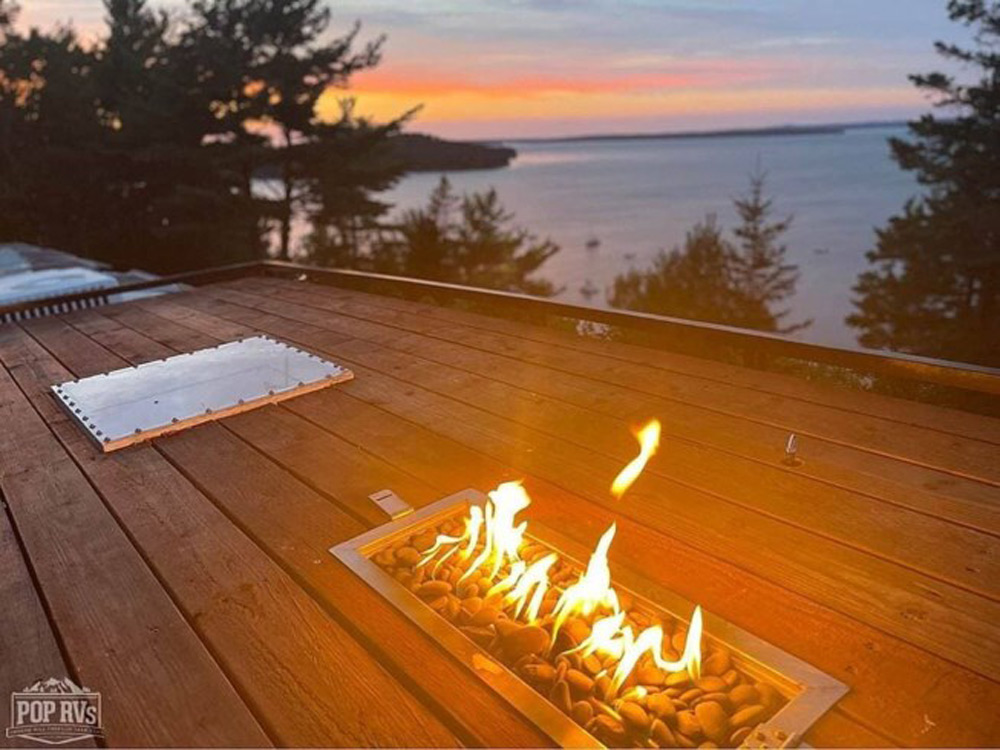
{"x":780,"y":130}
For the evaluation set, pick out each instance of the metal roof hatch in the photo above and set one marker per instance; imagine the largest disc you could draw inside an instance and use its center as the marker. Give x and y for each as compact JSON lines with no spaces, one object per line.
{"x":135,"y":404}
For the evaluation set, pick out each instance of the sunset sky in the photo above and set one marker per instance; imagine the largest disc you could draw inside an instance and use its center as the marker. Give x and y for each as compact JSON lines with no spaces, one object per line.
{"x":508,"y":68}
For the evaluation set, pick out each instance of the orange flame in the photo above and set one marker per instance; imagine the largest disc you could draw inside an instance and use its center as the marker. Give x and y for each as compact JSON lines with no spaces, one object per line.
{"x":534,"y":578}
{"x":523,"y":587}
{"x":649,"y":440}
{"x":503,"y":538}
{"x":651,"y":640}
{"x":592,"y":590}
{"x":609,"y":637}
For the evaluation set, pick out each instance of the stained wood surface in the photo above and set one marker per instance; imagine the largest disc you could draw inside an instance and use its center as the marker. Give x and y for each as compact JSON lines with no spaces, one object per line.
{"x":876,"y":559}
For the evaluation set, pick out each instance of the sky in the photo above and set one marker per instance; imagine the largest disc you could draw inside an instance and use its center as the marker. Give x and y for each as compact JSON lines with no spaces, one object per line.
{"x":485,"y":69}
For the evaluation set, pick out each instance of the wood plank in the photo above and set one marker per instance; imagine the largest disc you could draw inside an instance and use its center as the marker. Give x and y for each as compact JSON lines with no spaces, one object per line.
{"x":481,"y":716}
{"x":298,"y":524}
{"x":942,"y":618}
{"x":27,"y":642}
{"x":941,"y":691}
{"x":165,"y":332}
{"x":851,"y":400}
{"x":171,"y":308}
{"x":311,"y":684}
{"x":961,"y":556}
{"x":123,"y":634}
{"x":954,"y":554}
{"x":953,"y":454}
{"x":928,"y":491}
{"x":881,"y":670}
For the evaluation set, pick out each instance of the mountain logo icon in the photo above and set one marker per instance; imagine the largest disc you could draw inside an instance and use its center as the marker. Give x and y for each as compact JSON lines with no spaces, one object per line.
{"x":64,"y":686}
{"x":55,"y":711}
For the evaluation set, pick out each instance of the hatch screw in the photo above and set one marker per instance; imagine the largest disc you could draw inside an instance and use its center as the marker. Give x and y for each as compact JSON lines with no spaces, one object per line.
{"x":792,"y":451}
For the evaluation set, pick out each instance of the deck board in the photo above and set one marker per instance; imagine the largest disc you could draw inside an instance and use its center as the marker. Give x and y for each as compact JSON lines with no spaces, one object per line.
{"x":925,"y":611}
{"x":120,"y":628}
{"x":928,"y":491}
{"x":878,"y":559}
{"x":945,"y":673}
{"x":916,"y":443}
{"x":230,"y":472}
{"x":790,"y":387}
{"x":28,"y":643}
{"x":217,"y":575}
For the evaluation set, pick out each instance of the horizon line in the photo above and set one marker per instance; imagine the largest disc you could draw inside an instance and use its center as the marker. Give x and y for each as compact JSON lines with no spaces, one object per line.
{"x":831,"y":128}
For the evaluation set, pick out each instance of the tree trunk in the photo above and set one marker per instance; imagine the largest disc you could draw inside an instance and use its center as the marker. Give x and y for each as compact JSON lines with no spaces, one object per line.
{"x":286,"y":209}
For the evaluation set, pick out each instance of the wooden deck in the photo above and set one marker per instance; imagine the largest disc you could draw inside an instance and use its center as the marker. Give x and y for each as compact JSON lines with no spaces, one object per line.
{"x":188,"y":580}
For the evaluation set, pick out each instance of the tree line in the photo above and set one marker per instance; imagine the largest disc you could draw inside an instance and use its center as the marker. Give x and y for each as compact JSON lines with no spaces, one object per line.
{"x":178,"y":141}
{"x":933,"y":287}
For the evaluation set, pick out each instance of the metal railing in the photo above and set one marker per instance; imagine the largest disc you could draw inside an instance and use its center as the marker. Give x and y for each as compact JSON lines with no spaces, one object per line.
{"x":692,"y":334}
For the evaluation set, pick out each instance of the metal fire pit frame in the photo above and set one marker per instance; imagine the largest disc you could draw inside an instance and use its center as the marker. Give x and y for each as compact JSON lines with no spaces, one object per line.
{"x":810,"y":692}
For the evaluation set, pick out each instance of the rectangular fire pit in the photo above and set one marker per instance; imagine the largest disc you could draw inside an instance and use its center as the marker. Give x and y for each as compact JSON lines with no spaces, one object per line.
{"x":795,"y":693}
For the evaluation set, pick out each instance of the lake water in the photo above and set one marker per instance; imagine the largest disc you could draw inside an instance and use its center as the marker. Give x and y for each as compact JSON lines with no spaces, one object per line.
{"x":637,"y":196}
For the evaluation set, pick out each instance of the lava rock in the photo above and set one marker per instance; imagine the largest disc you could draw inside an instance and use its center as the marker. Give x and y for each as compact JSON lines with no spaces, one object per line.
{"x":579,"y":682}
{"x":635,"y":716}
{"x":744,"y":694}
{"x":433,"y":589}
{"x":747,"y":716}
{"x":582,"y":712}
{"x":713,"y":720}
{"x":530,"y":639}
{"x":662,"y":735}
{"x":408,"y":556}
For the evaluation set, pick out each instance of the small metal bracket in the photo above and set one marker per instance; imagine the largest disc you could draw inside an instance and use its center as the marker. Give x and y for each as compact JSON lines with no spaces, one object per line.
{"x":769,"y":738}
{"x":391,"y":503}
{"x":792,"y":451}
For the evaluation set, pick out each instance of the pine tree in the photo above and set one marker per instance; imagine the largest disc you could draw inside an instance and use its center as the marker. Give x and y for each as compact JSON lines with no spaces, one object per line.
{"x":352,"y":160}
{"x":471,"y":240}
{"x":935,"y":286}
{"x":284,"y":62}
{"x":142,"y":148}
{"x":762,"y":271}
{"x":713,"y":279}
{"x":696,"y":280}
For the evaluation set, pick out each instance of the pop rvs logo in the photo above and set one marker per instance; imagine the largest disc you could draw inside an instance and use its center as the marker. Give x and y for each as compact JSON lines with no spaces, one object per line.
{"x":55,"y":712}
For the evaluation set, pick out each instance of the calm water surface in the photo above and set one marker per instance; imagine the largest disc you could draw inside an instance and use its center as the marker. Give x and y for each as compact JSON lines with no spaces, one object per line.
{"x":638,"y":196}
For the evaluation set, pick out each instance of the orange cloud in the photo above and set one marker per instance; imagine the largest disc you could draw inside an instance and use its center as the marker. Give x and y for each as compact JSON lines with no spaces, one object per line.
{"x":433,"y":83}
{"x":510,"y":104}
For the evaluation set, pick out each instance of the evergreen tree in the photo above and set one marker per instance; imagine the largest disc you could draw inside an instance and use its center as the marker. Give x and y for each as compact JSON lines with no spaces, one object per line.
{"x":284,"y":61}
{"x":714,"y":279}
{"x":353,"y":160}
{"x":762,"y":272}
{"x":143,"y":148}
{"x":470,"y":240}
{"x":935,"y":286}
{"x":696,"y":280}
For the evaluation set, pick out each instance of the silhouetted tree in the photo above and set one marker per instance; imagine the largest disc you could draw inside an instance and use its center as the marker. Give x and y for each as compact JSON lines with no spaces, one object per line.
{"x":283,"y":63}
{"x":762,"y":273}
{"x":696,"y":280}
{"x":353,"y":160}
{"x":48,"y":135}
{"x":143,"y":147}
{"x":935,"y":285}
{"x":469,"y":240}
{"x":713,"y":279}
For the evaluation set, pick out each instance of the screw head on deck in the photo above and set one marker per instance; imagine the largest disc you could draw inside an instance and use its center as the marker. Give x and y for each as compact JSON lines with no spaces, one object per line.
{"x":791,"y":451}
